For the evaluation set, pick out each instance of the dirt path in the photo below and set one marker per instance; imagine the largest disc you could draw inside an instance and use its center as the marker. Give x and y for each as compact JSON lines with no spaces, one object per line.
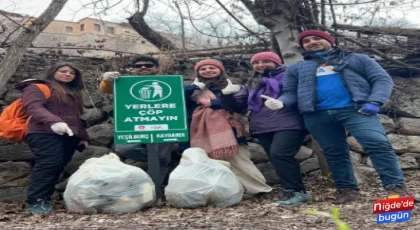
{"x":251,"y":213}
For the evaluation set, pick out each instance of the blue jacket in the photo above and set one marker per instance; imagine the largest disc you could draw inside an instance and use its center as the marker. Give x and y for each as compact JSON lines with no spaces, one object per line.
{"x":192,"y":105}
{"x":365,"y":79}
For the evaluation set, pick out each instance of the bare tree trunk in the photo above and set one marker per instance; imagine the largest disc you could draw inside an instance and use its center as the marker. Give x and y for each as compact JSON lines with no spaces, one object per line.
{"x":139,"y":24}
{"x":18,"y":47}
{"x":182,"y":25}
{"x":285,"y":35}
{"x":280,"y":21}
{"x":325,"y":170}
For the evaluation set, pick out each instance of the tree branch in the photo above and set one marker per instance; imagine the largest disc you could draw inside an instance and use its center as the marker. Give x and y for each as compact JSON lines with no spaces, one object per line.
{"x":9,"y":18}
{"x":372,"y":50}
{"x":240,"y":23}
{"x":145,"y":8}
{"x":18,"y":48}
{"x":141,"y":27}
{"x":182,"y":24}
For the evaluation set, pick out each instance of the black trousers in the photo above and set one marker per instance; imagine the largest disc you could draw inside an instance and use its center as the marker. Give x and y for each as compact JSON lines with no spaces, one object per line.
{"x":281,"y":148}
{"x":52,"y":153}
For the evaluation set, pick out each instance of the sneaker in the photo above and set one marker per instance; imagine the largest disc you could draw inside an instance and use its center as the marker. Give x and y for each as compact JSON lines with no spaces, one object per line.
{"x":291,"y":197}
{"x":40,"y":207}
{"x":401,"y":190}
{"x":346,"y":195}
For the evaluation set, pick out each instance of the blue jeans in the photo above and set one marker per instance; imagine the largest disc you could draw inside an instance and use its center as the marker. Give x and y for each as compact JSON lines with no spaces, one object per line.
{"x":329,"y":127}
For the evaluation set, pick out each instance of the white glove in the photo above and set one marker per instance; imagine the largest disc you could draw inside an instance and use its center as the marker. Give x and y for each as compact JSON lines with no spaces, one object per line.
{"x":61,"y":128}
{"x":231,"y":88}
{"x":199,"y":84}
{"x":272,"y":103}
{"x":110,"y":76}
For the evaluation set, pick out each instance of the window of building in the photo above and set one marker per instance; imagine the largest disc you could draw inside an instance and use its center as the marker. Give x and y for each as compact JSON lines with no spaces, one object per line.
{"x":69,"y":29}
{"x":97,"y":27}
{"x":126,"y":31}
{"x":143,"y":42}
{"x":111,"y":30}
{"x":82,"y":27}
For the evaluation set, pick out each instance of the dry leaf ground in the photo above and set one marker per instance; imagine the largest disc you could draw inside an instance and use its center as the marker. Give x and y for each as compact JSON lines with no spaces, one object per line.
{"x":251,"y":213}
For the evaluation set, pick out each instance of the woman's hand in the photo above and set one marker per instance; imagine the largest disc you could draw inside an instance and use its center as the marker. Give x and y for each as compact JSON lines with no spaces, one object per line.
{"x":204,"y":102}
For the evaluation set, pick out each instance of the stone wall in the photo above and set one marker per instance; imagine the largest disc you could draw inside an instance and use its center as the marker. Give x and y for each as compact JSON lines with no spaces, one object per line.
{"x":400,"y":117}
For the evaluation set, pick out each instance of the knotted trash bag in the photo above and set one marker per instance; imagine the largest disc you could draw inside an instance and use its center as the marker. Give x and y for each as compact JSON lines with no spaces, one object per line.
{"x":200,"y":181}
{"x":107,"y":185}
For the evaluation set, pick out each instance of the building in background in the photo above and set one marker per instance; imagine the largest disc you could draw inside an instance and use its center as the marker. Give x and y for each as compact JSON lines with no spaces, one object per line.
{"x":107,"y":37}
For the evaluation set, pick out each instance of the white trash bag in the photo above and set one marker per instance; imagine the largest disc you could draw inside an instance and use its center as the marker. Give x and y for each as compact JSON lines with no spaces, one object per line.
{"x":107,"y":185}
{"x":200,"y":181}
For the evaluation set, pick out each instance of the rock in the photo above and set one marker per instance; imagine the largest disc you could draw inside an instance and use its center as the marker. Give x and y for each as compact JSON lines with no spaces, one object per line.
{"x":354,"y":145}
{"x":407,"y":162}
{"x":388,"y":123}
{"x":366,"y":169}
{"x":80,"y":157}
{"x":409,"y":126}
{"x":258,"y":154}
{"x":101,"y":135}
{"x":303,"y":154}
{"x":3,"y":91}
{"x":309,"y":165}
{"x":405,"y":99}
{"x":12,"y":96}
{"x":107,"y":108}
{"x":62,"y":185}
{"x":14,"y":174}
{"x":360,"y":177}
{"x":415,"y":155}
{"x":92,"y":99}
{"x":93,"y":116}
{"x":356,"y":158}
{"x":254,"y":140}
{"x":404,"y":144}
{"x":16,"y":152}
{"x":368,"y":162}
{"x":3,"y":103}
{"x":5,"y":142}
{"x":140,"y":164}
{"x":269,"y":173}
{"x":13,"y":194}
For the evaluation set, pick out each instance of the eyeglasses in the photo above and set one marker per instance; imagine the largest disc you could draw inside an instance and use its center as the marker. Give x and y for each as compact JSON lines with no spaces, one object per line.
{"x":145,"y":65}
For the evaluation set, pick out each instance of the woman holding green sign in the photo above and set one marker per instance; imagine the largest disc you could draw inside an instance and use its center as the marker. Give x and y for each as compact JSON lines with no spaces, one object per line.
{"x":218,"y":132}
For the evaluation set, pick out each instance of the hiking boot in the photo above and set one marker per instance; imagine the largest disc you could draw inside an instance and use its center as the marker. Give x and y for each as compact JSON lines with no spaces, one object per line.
{"x":40,"y":207}
{"x":346,"y":195}
{"x":291,"y":197}
{"x":401,"y":190}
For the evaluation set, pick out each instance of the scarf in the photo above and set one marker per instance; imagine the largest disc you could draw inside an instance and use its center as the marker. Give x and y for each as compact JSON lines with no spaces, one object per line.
{"x":269,"y":86}
{"x":335,"y":57}
{"x":211,"y":130}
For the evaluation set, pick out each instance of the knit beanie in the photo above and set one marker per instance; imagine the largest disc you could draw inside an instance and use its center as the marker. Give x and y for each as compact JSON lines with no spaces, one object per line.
{"x":317,"y":33}
{"x":213,"y":62}
{"x":267,"y":56}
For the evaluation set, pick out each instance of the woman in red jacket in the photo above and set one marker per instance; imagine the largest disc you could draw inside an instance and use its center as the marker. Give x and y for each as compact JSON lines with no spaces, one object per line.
{"x":55,"y":130}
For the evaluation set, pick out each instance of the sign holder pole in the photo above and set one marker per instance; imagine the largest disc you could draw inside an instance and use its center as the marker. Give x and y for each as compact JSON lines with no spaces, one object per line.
{"x":153,"y":167}
{"x":151,"y":110}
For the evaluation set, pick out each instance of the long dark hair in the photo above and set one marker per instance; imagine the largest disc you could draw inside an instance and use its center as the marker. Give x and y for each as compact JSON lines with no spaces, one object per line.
{"x":74,"y":87}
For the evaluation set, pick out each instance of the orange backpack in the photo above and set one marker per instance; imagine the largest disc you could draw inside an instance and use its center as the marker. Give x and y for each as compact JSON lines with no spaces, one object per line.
{"x":14,"y":120}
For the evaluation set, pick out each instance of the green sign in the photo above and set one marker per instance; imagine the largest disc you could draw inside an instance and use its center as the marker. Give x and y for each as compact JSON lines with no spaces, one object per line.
{"x":149,"y":109}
